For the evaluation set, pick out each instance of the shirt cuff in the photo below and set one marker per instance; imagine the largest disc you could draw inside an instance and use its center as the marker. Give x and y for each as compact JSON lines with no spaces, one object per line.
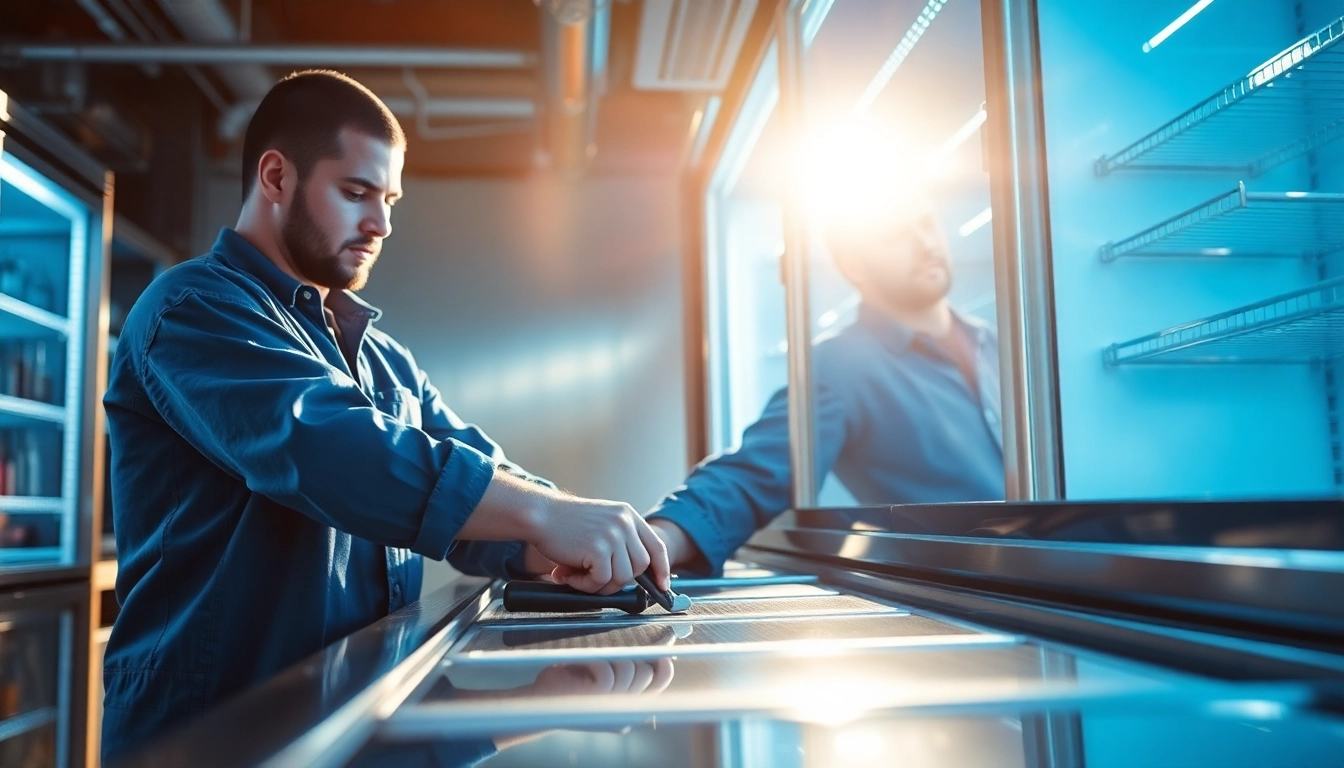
{"x":461,"y":485}
{"x":707,"y":538}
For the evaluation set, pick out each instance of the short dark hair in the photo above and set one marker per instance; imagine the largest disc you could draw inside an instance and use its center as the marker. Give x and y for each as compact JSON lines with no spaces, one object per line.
{"x":303,"y":115}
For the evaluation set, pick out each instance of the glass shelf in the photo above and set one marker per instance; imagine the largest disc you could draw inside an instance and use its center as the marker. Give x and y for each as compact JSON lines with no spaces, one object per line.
{"x":32,"y":504}
{"x":1284,"y":108}
{"x":18,"y":410}
{"x":1240,"y":223}
{"x":19,"y":319}
{"x":1305,"y":326}
{"x":29,"y":555}
{"x":28,"y":721}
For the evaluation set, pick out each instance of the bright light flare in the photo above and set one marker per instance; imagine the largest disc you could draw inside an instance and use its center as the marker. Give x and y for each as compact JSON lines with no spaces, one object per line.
{"x":853,"y":176}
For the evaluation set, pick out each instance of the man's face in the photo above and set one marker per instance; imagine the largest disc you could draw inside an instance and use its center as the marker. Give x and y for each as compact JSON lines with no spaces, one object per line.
{"x":341,"y":212}
{"x":902,"y":258}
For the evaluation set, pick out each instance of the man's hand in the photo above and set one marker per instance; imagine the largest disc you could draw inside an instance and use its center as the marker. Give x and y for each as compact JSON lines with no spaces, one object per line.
{"x":599,"y":546}
{"x":596,"y":545}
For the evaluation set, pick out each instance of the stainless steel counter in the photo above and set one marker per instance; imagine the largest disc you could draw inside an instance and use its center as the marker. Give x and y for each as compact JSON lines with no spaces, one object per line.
{"x":812,"y":661}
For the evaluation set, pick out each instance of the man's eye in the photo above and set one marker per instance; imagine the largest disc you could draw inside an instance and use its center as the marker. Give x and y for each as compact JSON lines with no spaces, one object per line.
{"x":354,"y":196}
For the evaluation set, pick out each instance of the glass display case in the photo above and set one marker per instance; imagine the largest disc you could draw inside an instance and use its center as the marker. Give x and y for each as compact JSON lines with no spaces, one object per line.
{"x":55,"y":220}
{"x":42,"y":681}
{"x":1142,"y":203}
{"x":857,"y":113}
{"x":51,"y":249}
{"x":1194,"y":220}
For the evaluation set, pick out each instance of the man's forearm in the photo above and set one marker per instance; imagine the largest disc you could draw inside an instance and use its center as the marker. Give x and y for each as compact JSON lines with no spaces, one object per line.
{"x":510,"y":509}
{"x":681,"y":549}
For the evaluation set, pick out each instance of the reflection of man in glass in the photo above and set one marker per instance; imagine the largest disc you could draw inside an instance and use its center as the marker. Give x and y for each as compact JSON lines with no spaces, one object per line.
{"x":906,"y":399}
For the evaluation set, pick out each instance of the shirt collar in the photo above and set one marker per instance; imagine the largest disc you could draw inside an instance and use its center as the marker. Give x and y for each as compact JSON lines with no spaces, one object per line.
{"x":899,"y":338}
{"x":237,"y":252}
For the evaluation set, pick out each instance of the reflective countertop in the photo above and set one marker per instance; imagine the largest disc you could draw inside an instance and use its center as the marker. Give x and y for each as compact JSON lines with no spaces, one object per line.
{"x":1249,"y":733}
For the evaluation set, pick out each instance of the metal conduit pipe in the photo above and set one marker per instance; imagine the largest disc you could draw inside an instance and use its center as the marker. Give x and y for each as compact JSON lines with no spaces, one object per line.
{"x":230,"y":54}
{"x":566,"y":43}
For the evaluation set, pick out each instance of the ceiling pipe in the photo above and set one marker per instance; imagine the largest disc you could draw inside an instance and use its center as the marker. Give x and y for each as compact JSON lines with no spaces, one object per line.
{"x":230,"y":54}
{"x":109,"y":26}
{"x":455,"y":107}
{"x":567,"y":44}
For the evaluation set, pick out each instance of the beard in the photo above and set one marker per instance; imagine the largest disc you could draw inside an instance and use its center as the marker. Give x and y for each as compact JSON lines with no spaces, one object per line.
{"x":916,"y":289}
{"x":313,"y":256}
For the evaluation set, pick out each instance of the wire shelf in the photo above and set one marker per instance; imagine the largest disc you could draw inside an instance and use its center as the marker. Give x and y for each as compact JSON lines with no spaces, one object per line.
{"x":1305,"y":326}
{"x":1284,"y":108}
{"x":1240,"y":223}
{"x":18,"y":409}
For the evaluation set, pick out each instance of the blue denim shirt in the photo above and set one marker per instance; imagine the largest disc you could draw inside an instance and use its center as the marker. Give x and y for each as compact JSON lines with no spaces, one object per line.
{"x":267,"y":499}
{"x":895,"y":419}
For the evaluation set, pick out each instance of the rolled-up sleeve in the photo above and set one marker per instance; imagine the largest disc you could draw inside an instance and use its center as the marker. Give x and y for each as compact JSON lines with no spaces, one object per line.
{"x":499,"y":559}
{"x":442,"y":423}
{"x":731,"y":495}
{"x":227,"y":377}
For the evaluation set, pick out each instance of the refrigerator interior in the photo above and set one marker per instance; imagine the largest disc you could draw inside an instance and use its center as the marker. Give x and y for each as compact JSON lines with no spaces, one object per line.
{"x":1169,"y":207}
{"x":46,"y":234}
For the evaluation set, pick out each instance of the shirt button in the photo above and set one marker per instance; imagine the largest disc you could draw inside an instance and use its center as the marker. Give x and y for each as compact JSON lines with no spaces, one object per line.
{"x":307,"y":294}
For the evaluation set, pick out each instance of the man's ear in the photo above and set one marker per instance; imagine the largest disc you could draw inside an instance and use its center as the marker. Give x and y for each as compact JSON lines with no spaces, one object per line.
{"x":271,"y":175}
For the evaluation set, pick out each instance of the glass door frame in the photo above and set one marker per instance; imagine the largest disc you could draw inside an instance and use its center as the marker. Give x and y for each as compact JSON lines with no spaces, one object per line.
{"x":1023,"y":272}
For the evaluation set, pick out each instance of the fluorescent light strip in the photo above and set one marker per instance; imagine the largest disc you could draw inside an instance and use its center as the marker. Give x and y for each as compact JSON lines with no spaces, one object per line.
{"x":963,"y":133}
{"x":897,"y":56}
{"x":977,"y":221}
{"x":1180,"y":21}
{"x":813,"y":15}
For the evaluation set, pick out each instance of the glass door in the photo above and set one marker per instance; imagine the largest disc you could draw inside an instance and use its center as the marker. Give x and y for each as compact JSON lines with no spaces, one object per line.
{"x":47,"y":233}
{"x":900,"y":287}
{"x":744,"y":294}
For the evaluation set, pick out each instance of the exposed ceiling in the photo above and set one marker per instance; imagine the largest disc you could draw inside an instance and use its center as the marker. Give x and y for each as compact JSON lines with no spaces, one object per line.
{"x":477,"y":121}
{"x":159,"y":126}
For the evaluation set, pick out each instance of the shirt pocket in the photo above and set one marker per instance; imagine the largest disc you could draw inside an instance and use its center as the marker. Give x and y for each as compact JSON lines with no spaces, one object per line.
{"x":400,"y":403}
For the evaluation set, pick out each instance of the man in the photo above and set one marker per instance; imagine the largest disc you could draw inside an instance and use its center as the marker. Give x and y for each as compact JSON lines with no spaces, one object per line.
{"x":278,"y":463}
{"x":906,"y":401}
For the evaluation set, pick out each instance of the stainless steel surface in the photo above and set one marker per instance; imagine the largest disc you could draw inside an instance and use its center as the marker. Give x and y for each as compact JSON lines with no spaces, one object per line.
{"x":322,"y":710}
{"x":1291,"y":588}
{"x":804,"y":686}
{"x":719,"y":610}
{"x":798,"y":317}
{"x":277,"y":55}
{"x":1023,"y":275}
{"x":794,"y":682}
{"x":767,"y":634}
{"x":713,"y":594}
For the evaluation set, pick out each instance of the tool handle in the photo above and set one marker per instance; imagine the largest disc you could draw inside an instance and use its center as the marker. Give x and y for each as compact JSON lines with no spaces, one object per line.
{"x":545,"y":597}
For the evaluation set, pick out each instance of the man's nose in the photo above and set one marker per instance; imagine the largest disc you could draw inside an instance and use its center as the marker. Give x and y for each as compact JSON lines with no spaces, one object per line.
{"x":378,"y":224}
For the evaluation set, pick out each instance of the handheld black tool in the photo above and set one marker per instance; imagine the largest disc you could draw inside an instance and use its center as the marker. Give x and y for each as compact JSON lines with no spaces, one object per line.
{"x":669,"y":600}
{"x":546,"y":597}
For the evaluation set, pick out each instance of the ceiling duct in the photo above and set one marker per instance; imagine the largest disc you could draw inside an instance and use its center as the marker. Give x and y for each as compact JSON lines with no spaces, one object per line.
{"x":206,"y":21}
{"x":573,"y":42}
{"x":690,"y":45}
